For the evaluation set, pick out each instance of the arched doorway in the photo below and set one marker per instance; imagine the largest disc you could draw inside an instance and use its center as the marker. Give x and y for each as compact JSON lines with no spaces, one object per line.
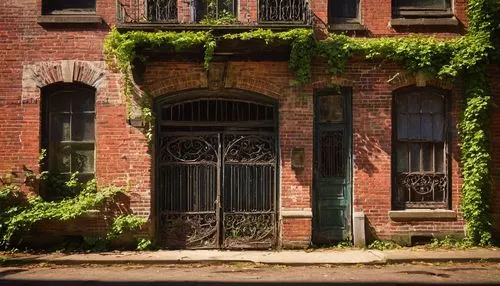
{"x":216,"y":170}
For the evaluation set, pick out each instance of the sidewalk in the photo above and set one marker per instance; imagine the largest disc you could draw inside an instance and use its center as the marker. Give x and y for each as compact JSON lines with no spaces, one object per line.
{"x":285,"y":257}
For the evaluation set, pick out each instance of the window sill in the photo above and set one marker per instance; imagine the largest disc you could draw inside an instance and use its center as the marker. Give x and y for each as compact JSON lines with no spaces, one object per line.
{"x":347,"y":27}
{"x":422,"y":214}
{"x":70,"y":19}
{"x":424,"y":22}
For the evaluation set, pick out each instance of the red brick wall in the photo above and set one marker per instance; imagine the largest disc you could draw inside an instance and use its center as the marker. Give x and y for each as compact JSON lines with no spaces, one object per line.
{"x":372,"y":97}
{"x":121,"y":150}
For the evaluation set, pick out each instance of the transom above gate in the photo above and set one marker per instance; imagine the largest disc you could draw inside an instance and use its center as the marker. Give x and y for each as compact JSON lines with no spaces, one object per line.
{"x":216,"y":174}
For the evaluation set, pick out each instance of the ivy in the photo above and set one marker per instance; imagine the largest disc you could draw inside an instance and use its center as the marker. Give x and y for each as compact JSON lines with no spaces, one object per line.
{"x":21,"y":216}
{"x":475,"y":157}
{"x":125,"y":223}
{"x":302,"y":44}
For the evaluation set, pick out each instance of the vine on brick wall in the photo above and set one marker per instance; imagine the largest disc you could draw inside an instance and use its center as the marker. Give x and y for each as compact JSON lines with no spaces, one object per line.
{"x":19,"y":213}
{"x":474,"y":123}
{"x":438,"y":58}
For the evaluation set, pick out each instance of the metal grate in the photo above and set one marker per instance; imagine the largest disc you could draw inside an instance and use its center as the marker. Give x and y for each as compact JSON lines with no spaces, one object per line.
{"x":284,"y":11}
{"x":332,"y":154}
{"x":225,"y":173}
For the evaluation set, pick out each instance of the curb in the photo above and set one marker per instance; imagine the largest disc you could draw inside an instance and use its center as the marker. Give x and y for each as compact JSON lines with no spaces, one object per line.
{"x":27,"y":261}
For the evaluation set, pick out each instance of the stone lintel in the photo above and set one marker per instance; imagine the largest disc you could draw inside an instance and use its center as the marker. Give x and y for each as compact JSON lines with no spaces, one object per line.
{"x":422,"y":214}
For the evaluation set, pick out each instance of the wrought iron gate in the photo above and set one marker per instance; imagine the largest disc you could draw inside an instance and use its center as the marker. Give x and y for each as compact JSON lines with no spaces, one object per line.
{"x":217,"y":174}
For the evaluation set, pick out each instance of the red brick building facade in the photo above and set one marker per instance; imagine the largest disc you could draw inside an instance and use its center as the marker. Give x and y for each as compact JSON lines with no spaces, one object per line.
{"x":331,"y":152}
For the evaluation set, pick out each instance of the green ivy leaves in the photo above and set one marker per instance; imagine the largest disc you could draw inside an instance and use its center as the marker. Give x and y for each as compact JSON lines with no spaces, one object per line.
{"x":19,"y":217}
{"x":475,"y":157}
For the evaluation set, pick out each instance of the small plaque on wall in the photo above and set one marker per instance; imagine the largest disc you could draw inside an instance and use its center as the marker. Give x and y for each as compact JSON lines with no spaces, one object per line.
{"x":298,"y":158}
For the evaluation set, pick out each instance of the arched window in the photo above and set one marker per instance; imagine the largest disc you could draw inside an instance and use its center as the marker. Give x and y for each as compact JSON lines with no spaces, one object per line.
{"x":420,"y":166}
{"x":68,"y":131}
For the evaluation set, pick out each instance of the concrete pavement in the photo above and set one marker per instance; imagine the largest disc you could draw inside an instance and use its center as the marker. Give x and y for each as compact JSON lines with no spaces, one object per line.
{"x":284,"y":257}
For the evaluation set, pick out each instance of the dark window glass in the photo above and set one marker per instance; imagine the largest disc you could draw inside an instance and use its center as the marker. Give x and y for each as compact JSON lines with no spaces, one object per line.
{"x":343,"y":10}
{"x":68,"y":6}
{"x":421,"y":8}
{"x":68,"y":131}
{"x":421,"y":180}
{"x":211,"y":10}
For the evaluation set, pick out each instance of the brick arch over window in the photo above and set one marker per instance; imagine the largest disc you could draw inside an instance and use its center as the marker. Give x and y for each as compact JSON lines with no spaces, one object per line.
{"x":405,"y":79}
{"x":334,"y":80}
{"x":42,"y":74}
{"x":253,"y":84}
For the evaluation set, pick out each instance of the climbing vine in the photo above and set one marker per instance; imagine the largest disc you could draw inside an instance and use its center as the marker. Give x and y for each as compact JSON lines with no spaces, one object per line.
{"x":19,"y":213}
{"x":437,"y":58}
{"x":474,"y":123}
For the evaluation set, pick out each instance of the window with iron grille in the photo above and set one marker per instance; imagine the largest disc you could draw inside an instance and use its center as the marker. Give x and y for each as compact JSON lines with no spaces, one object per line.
{"x":215,"y":9}
{"x":421,"y":8}
{"x":51,"y":7}
{"x":421,"y":161}
{"x":68,"y":131}
{"x":343,"y":11}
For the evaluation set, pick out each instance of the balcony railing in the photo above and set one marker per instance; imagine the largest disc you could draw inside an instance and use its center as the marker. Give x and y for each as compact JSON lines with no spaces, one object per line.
{"x":167,"y":11}
{"x":284,"y":11}
{"x":147,"y":11}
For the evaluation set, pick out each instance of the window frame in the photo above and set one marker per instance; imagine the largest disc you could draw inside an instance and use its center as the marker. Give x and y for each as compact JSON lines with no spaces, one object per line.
{"x":343,"y":20}
{"x":46,"y":130}
{"x":399,"y":11}
{"x":49,"y":8}
{"x":447,"y":140}
{"x":200,"y":10}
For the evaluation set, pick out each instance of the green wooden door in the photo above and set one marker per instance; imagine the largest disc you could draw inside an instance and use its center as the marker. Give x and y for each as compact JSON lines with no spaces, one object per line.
{"x":332,"y":166}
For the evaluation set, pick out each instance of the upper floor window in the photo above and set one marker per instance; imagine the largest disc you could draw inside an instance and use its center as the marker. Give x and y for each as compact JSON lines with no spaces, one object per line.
{"x":68,"y":131}
{"x":343,"y":11}
{"x":51,"y":7}
{"x":421,"y":8}
{"x":421,"y":145}
{"x":212,"y":10}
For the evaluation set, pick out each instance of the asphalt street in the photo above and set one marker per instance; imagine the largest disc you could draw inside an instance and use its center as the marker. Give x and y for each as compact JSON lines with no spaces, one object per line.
{"x":242,"y":274}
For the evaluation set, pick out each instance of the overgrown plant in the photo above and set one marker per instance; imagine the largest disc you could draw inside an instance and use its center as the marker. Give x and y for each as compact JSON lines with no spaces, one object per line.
{"x":383,"y":245}
{"x":124,"y":223}
{"x":21,"y":217}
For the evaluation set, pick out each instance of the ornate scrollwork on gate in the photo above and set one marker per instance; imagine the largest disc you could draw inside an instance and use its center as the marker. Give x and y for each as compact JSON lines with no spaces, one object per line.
{"x":242,"y":230}
{"x":181,"y":230}
{"x":189,"y":149}
{"x":420,"y":190}
{"x":249,"y":149}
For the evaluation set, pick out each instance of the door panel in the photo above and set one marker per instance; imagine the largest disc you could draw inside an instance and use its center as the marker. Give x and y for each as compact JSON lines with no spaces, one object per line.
{"x":249,"y":190}
{"x":188,"y":181}
{"x":332,"y":167}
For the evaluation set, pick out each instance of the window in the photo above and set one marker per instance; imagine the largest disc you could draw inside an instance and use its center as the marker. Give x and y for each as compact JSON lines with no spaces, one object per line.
{"x":420,"y":163}
{"x":342,"y":11}
{"x":68,"y":130}
{"x":421,"y":8}
{"x":215,"y":9}
{"x":51,"y":7}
